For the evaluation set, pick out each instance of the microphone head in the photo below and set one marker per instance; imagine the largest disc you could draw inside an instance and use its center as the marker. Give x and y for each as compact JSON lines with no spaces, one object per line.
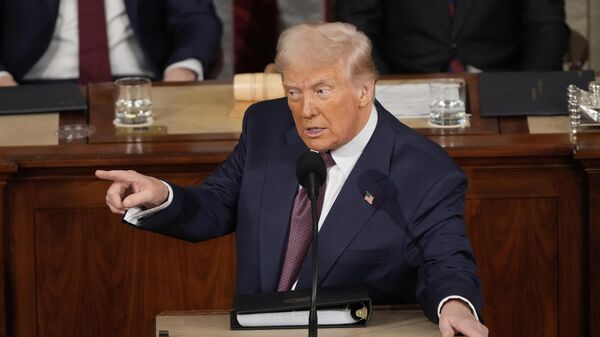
{"x":311,"y":162}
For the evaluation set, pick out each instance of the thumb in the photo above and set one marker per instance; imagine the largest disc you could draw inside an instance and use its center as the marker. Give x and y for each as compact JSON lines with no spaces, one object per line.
{"x":446,"y":328}
{"x":137,"y":199}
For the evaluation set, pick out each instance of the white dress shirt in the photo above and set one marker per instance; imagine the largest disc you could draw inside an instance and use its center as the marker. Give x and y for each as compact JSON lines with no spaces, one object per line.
{"x":61,"y":59}
{"x":345,"y":158}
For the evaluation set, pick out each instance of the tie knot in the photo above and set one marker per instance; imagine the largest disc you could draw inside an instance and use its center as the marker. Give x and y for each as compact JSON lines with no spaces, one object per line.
{"x":329,"y":162}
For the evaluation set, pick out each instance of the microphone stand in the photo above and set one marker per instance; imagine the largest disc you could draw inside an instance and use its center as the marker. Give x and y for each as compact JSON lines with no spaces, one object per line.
{"x":312,"y":317}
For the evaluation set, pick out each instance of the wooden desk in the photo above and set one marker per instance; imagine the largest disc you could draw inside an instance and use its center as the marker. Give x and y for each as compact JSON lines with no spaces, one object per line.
{"x":71,"y":268}
{"x":383,"y":323}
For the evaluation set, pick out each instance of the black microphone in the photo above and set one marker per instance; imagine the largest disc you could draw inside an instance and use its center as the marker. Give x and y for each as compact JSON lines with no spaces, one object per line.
{"x":312,"y":172}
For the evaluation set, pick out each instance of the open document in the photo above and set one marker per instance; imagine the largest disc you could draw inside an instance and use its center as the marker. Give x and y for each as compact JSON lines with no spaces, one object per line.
{"x":410,"y":100}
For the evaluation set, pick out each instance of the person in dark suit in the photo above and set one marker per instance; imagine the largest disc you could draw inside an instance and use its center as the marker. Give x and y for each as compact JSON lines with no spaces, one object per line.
{"x":168,"y":39}
{"x":457,"y":35}
{"x":392,"y":213}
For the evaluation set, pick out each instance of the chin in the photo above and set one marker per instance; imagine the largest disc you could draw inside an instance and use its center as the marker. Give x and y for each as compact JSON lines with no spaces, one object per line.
{"x":317,"y":145}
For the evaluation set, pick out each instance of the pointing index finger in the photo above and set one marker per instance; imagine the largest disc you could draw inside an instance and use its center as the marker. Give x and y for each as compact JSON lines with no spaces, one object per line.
{"x":117,"y":175}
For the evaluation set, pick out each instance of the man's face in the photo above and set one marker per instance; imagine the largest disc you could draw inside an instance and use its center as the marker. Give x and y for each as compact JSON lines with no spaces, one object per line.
{"x":328,"y":109}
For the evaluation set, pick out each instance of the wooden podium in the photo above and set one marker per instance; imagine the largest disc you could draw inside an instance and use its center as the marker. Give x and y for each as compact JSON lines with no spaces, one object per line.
{"x":384,"y":322}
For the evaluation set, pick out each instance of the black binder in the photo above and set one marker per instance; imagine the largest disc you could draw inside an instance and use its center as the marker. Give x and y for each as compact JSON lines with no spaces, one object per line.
{"x":37,"y":98}
{"x":355,"y":299}
{"x":528,"y":93}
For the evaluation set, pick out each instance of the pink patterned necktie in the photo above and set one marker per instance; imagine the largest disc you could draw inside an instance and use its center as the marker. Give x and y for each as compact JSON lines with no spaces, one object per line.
{"x":300,"y":234}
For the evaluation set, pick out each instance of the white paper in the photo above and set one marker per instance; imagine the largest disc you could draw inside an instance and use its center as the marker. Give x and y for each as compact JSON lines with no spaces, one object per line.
{"x":404,"y":100}
{"x":300,"y":317}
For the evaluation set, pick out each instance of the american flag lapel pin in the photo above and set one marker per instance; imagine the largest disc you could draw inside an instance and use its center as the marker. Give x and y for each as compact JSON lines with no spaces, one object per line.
{"x":369,"y":198}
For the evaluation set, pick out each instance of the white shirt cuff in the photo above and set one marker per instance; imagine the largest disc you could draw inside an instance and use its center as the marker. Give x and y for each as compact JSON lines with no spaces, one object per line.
{"x":5,"y":74}
{"x":190,"y":64}
{"x":135,"y":214}
{"x":456,"y":297}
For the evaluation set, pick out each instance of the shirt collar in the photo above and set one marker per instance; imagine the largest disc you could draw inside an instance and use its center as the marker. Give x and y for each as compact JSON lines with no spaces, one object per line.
{"x":347,"y":155}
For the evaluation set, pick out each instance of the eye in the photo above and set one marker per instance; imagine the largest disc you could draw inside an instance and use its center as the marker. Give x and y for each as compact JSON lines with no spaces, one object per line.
{"x":323,"y":91}
{"x":293,"y":94}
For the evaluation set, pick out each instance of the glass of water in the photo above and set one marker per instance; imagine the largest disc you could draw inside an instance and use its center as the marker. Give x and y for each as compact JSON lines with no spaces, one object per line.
{"x":447,"y":102}
{"x":133,"y":104}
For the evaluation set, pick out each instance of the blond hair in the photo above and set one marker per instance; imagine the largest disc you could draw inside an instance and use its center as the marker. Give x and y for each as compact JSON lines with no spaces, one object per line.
{"x":327,"y":44}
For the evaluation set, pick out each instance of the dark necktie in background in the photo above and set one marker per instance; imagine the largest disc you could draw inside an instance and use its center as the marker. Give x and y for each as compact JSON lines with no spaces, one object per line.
{"x":455,"y":65}
{"x":94,"y":64}
{"x":300,"y":234}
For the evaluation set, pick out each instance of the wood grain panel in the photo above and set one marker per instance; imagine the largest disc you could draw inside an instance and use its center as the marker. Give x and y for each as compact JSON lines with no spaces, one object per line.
{"x":524,"y":217}
{"x":3,"y":270}
{"x":99,"y":277}
{"x":78,"y":271}
{"x":7,"y":167}
{"x":594,"y":247}
{"x":516,"y":246}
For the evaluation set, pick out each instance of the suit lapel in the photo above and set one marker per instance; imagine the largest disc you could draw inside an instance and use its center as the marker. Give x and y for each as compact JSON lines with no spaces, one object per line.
{"x":131,"y":7}
{"x":350,"y":210}
{"x":279,"y":191}
{"x":462,"y":13}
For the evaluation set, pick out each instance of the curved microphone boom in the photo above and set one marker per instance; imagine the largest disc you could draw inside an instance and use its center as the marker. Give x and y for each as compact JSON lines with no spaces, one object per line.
{"x":312,"y":172}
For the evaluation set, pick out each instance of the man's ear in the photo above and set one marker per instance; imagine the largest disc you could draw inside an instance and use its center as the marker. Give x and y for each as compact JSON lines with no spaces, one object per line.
{"x":366,"y":94}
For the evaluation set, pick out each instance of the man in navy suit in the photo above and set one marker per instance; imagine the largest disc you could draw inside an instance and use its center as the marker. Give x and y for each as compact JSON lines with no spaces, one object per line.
{"x":392,"y":213}
{"x":168,"y":39}
{"x":432,"y":36}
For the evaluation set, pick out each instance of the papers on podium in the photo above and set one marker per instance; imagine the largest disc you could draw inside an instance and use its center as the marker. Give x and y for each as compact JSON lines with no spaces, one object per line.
{"x":336,"y":307}
{"x":299,"y":317}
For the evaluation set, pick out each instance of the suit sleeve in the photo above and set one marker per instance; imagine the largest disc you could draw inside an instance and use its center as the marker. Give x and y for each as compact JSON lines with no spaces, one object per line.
{"x":206,"y":211}
{"x":440,"y":249}
{"x":545,"y":35}
{"x":194,"y":32}
{"x":367,"y":16}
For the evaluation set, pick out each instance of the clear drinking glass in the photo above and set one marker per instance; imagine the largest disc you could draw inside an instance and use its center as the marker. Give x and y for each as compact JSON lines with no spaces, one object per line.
{"x":133,"y":104}
{"x":447,"y":102}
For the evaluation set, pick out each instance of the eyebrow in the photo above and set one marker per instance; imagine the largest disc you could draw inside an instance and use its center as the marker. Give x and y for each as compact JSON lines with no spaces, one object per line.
{"x":328,"y":81}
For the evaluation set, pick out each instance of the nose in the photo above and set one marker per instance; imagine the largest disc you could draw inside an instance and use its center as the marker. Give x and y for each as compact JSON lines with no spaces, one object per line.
{"x":308,"y":110}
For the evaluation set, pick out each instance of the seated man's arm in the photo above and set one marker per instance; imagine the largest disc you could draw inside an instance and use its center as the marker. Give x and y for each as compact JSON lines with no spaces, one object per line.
{"x":195,"y":33}
{"x":545,"y":35}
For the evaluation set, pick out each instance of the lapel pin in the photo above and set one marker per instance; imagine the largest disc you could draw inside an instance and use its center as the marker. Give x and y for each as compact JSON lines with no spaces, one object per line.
{"x":369,"y":198}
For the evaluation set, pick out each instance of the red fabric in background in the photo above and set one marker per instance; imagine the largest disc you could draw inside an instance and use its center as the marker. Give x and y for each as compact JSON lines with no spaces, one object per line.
{"x":256,"y":29}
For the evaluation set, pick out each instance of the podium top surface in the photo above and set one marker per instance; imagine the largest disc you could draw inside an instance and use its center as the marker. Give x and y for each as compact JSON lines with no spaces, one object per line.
{"x":383,"y":323}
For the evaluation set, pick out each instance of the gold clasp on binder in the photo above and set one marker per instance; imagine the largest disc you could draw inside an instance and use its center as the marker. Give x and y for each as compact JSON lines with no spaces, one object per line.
{"x":362,"y":313}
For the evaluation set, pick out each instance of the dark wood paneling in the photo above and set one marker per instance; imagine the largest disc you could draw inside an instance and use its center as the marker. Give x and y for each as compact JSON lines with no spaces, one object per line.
{"x":525,"y":227}
{"x":594,"y":246}
{"x":593,"y":264}
{"x":79,"y":271}
{"x":98,"y":277}
{"x":511,"y":238}
{"x":7,"y":167}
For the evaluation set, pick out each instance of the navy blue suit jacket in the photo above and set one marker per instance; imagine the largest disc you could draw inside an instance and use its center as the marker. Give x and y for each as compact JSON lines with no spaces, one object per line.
{"x":168,"y":31}
{"x":410,"y":245}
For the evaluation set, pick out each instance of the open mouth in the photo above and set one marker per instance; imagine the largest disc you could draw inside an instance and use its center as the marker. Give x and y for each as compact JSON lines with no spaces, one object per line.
{"x":314,"y":131}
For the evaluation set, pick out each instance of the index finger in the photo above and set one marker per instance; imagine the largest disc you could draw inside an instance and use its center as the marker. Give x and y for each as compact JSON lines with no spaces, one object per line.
{"x":117,"y":175}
